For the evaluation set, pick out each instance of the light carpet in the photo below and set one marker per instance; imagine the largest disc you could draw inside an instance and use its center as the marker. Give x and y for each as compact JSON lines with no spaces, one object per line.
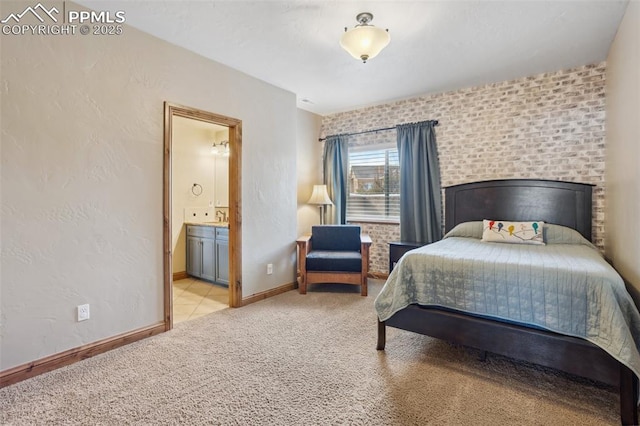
{"x":302,"y":360}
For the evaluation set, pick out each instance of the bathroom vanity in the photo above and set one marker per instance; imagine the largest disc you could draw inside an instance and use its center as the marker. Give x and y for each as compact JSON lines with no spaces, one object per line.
{"x":208,"y":251}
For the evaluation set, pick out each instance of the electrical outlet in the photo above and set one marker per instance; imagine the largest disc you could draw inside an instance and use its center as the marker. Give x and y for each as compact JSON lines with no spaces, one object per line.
{"x":269,"y":268}
{"x":83,"y":312}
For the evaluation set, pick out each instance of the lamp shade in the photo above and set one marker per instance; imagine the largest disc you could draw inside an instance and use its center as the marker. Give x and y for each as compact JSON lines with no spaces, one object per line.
{"x":365,"y":41}
{"x":320,"y":196}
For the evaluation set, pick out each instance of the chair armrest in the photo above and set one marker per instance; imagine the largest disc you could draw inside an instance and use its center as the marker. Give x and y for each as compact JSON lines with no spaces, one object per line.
{"x":304,"y":244}
{"x":365,"y":239}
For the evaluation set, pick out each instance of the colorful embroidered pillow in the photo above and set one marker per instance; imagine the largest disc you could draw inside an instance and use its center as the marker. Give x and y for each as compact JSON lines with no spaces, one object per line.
{"x":501,"y":231}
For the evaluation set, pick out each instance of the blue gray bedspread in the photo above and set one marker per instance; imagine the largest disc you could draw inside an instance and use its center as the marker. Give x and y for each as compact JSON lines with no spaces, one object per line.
{"x":565,"y":286}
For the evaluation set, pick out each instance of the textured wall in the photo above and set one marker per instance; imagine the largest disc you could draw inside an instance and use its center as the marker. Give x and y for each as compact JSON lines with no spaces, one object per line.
{"x":623,"y":149}
{"x":81,"y":181}
{"x":309,"y":166}
{"x":548,"y":126}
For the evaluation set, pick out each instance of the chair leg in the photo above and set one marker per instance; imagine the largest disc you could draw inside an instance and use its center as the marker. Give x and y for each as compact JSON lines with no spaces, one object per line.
{"x":363,"y":285}
{"x":304,"y":245}
{"x":302,"y":288}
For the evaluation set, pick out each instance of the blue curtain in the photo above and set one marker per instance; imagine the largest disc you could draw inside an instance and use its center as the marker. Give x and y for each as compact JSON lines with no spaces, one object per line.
{"x":420,"y":190}
{"x":335,"y":166}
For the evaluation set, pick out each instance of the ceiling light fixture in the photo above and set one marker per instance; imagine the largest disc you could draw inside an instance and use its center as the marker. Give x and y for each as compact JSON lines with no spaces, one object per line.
{"x":364,"y":41}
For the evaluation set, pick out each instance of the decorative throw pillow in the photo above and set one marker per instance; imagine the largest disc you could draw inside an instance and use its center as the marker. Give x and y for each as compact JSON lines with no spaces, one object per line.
{"x":501,"y":231}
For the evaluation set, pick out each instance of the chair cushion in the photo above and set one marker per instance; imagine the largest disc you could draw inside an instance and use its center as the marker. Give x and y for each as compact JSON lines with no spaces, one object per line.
{"x":335,"y":237}
{"x":342,"y":261}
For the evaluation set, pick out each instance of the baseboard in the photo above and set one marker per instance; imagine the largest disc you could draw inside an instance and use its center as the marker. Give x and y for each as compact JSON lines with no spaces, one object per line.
{"x":269,"y":293}
{"x":180,"y":275}
{"x":52,"y":362}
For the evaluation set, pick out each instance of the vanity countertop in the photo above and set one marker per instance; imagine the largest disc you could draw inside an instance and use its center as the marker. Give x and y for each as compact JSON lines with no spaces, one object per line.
{"x":213,"y":224}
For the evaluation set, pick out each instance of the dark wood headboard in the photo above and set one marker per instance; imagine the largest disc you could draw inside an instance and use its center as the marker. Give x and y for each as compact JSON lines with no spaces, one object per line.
{"x":561,"y":203}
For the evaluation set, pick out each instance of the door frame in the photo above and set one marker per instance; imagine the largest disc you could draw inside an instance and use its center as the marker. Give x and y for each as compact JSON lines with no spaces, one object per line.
{"x":235,"y":212}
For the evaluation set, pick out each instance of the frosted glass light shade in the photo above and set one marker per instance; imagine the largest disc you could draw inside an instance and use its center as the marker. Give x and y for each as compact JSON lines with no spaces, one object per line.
{"x":320,"y":196}
{"x":365,"y":41}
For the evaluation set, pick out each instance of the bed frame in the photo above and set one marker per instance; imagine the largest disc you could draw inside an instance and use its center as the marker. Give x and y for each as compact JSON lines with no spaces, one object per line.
{"x":563,"y":203}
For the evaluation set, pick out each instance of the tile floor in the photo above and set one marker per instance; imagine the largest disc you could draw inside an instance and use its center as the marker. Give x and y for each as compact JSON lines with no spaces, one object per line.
{"x":193,"y":298}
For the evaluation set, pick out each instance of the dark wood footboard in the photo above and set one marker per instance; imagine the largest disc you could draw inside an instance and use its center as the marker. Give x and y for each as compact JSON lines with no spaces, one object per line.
{"x":569,"y":354}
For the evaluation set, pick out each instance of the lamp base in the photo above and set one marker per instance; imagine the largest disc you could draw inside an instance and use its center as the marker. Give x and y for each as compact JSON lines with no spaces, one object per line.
{"x":321,"y":207}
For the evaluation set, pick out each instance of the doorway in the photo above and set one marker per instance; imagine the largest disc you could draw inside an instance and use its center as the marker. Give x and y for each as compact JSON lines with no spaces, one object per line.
{"x":234,"y":145}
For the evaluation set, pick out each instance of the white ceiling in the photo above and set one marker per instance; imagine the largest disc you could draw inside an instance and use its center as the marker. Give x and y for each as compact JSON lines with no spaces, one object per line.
{"x":435,"y":46}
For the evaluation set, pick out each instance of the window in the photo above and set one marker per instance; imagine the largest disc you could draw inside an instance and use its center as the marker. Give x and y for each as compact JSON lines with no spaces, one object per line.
{"x":374,"y":185}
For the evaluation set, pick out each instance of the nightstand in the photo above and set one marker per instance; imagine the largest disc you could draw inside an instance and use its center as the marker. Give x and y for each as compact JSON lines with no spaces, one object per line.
{"x":398,"y":248}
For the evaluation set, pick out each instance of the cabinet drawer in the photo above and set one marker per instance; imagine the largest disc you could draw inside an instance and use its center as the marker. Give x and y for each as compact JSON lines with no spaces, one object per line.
{"x":201,"y":231}
{"x":222,"y":233}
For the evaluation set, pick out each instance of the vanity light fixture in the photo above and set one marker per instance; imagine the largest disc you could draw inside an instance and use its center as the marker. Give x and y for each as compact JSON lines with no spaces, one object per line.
{"x":364,"y":41}
{"x":221,"y":148}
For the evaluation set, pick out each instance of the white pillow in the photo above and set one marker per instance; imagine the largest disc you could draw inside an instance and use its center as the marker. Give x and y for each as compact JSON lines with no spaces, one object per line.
{"x":502,"y":231}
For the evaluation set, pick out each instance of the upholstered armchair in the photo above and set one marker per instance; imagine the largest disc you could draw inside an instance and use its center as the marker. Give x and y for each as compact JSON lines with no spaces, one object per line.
{"x":334,"y":254}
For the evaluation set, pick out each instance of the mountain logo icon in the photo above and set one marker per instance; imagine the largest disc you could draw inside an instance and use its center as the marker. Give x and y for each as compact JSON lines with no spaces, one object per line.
{"x":34,"y":11}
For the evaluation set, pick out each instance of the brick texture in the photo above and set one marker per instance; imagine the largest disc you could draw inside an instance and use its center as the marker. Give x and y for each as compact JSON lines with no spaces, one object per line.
{"x":547,"y":126}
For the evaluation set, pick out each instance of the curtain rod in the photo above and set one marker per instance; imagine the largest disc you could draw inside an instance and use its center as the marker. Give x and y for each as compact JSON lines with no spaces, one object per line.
{"x":435,"y":123}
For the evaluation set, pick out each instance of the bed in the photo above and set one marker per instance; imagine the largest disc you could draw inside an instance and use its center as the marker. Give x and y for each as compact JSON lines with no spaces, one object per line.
{"x":490,"y":328}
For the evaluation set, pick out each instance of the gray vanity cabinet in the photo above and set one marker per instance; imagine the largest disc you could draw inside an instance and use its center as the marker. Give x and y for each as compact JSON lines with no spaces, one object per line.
{"x":222,"y":256}
{"x":208,"y":253}
{"x":194,"y":256}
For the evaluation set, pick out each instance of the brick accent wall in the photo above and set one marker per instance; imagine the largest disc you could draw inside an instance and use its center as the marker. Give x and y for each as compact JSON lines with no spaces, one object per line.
{"x":547,"y":126}
{"x":381,"y":234}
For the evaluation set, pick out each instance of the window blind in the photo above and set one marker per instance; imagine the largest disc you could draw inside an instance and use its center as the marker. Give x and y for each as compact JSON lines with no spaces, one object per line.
{"x":374,"y":185}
